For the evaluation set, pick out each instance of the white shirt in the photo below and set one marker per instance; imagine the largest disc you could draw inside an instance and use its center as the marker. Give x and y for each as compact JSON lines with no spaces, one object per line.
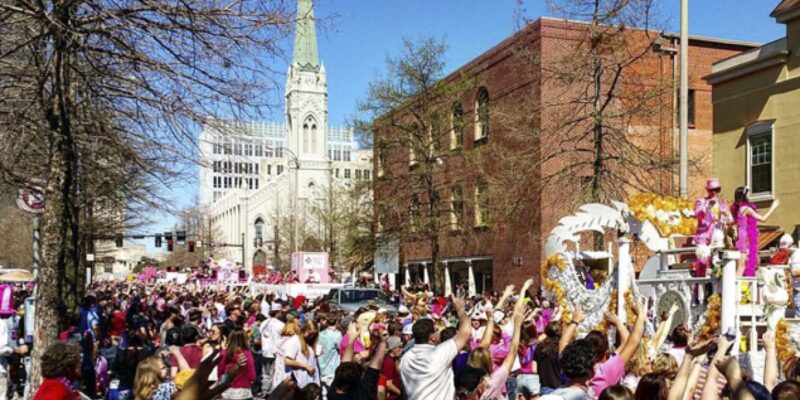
{"x":5,"y":345}
{"x":265,"y":306}
{"x":290,"y":347}
{"x":427,"y":373}
{"x":270,"y":334}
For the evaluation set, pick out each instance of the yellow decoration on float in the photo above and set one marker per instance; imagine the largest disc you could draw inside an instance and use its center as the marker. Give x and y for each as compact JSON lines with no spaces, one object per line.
{"x":670,"y":215}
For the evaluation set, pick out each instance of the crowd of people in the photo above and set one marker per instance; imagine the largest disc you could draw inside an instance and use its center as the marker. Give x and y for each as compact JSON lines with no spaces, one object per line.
{"x":143,"y":341}
{"x":167,"y":341}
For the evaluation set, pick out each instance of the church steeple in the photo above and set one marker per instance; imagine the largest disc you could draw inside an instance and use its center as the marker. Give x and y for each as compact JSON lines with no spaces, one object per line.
{"x":305,"y":55}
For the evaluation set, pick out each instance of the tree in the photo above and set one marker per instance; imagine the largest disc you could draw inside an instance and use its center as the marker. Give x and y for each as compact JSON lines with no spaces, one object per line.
{"x":591,"y":126}
{"x":100,"y":101}
{"x":406,"y":114}
{"x":345,"y":216}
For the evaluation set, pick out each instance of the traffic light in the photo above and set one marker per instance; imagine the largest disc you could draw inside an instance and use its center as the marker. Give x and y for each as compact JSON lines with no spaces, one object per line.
{"x":158,"y":240}
{"x":167,"y":236}
{"x":169,"y":245}
{"x":181,"y":236}
{"x":118,"y":241}
{"x":191,"y":246}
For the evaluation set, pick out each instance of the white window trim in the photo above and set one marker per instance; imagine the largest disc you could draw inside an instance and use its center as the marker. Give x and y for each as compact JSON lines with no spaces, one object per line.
{"x":759,"y":129}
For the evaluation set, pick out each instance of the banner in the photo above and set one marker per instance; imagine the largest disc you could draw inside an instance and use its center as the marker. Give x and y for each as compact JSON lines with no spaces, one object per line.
{"x":311,"y":291}
{"x":387,"y":256}
{"x":310,"y":267}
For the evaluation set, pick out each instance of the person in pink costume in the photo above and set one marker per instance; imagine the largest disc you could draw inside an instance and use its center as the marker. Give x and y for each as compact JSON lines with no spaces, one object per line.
{"x":712,"y":214}
{"x":747,"y":219}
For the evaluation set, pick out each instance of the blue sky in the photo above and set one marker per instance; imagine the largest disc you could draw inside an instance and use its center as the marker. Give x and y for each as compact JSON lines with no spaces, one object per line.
{"x":355,"y":37}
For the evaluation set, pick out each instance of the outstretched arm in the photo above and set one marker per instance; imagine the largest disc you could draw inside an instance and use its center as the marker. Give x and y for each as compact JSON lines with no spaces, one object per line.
{"x":462,"y":335}
{"x":679,"y":386}
{"x":518,"y":316}
{"x":571,"y":329}
{"x":771,"y":361}
{"x":661,"y":332}
{"x":487,"y":334}
{"x":630,"y":346}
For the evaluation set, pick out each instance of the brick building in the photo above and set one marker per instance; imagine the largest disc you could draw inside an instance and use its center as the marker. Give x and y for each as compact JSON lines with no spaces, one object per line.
{"x":501,"y":182}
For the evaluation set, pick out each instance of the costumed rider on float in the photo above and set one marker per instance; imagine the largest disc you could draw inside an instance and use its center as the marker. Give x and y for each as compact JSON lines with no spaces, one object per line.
{"x":713,"y":216}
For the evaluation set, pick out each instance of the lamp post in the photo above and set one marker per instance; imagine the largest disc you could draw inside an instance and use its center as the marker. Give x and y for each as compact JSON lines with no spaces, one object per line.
{"x":683,"y":141}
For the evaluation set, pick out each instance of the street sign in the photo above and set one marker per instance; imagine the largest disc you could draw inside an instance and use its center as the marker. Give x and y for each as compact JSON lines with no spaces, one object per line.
{"x":31,"y":200}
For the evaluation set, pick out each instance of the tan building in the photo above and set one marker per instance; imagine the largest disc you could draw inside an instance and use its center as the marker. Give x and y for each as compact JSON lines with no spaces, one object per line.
{"x":756,"y":100}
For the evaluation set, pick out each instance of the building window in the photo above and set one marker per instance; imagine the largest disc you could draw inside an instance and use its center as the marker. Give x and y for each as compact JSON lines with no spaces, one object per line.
{"x":237,"y":149}
{"x":413,"y":138}
{"x":358,"y":174}
{"x":456,"y":207}
{"x":278,"y":169}
{"x":413,"y":212}
{"x":259,"y":227}
{"x":216,"y":166}
{"x":346,"y":154}
{"x":691,"y":112}
{"x":381,"y":159}
{"x":217,"y":148}
{"x":248,"y":149}
{"x":760,"y":160}
{"x":256,"y":185}
{"x":256,"y":166}
{"x":457,"y":127}
{"x":367,"y":174}
{"x":482,"y":114}
{"x":269,"y":169}
{"x":259,"y":150}
{"x":227,"y":148}
{"x":482,"y":216}
{"x":347,"y":173}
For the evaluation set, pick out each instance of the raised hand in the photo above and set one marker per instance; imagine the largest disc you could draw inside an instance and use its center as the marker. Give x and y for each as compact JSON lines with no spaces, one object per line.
{"x":728,"y":366}
{"x":458,"y":304}
{"x":611,"y":318}
{"x":697,"y":349}
{"x":578,"y":315}
{"x":528,"y":283}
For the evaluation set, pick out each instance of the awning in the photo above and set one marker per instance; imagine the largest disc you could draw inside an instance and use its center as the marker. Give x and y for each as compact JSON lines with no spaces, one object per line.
{"x":769,"y":238}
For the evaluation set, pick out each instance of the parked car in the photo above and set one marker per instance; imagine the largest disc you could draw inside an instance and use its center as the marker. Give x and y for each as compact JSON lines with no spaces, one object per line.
{"x":351,"y":299}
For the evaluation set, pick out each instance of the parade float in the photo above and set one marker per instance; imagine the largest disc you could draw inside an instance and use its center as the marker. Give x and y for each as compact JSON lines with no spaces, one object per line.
{"x":590,"y":263}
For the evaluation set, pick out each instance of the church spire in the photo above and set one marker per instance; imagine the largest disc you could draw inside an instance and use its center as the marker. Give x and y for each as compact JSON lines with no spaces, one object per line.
{"x":305,"y":56}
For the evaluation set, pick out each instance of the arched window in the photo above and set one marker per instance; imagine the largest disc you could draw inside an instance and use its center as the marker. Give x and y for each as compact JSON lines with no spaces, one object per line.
{"x":456,"y":207}
{"x":482,"y":215}
{"x":313,"y":138}
{"x":259,"y":226}
{"x":309,"y":135}
{"x":457,"y":126}
{"x":482,"y":114}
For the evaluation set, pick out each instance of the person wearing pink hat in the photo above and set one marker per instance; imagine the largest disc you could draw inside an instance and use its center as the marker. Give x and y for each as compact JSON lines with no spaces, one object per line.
{"x":713,"y":215}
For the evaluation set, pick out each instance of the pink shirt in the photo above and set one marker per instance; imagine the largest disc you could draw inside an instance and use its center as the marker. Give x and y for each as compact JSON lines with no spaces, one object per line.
{"x":497,"y":385}
{"x":607,"y":374}
{"x":358,"y":347}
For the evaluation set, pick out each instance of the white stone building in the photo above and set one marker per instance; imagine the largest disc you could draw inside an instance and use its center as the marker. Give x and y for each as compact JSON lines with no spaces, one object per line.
{"x":255,"y":174}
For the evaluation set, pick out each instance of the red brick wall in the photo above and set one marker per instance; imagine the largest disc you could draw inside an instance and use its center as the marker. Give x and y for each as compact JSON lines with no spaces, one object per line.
{"x":515,"y":83}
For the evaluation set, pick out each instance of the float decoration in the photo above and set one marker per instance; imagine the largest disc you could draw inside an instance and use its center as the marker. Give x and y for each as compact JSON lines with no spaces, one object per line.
{"x":669,"y":215}
{"x":776,"y":297}
{"x":709,"y":323}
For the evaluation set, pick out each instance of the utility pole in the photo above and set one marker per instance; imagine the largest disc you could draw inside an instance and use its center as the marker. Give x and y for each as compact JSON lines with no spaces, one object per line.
{"x":684,"y":102}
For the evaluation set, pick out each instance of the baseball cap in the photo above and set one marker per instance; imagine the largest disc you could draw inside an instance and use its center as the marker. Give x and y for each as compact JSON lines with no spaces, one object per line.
{"x":498,"y":316}
{"x":393,"y":342}
{"x":478,"y":314}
